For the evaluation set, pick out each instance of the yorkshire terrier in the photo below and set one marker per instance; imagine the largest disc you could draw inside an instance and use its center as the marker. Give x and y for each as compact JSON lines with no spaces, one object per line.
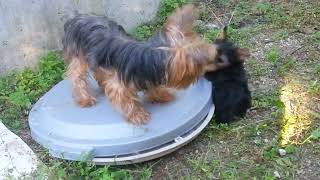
{"x":174,"y":58}
{"x":230,"y":95}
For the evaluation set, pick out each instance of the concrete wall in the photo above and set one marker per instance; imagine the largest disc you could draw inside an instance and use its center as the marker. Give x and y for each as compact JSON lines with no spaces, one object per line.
{"x":30,"y":28}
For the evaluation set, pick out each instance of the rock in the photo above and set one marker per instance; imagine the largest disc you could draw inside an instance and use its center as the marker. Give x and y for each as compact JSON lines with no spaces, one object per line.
{"x":212,"y":26}
{"x":208,"y":26}
{"x":16,"y":158}
{"x":276,"y":175}
{"x":282,"y":152}
{"x":32,"y":28}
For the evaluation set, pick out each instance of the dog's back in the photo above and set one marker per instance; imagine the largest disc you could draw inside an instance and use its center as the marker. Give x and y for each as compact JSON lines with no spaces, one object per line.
{"x":231,"y":94}
{"x":84,"y":31}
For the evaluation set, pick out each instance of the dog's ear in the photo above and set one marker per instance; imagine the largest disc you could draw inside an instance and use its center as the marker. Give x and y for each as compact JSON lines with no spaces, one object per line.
{"x":185,"y":67}
{"x":243,"y":54}
{"x":183,"y":18}
{"x":223,"y":36}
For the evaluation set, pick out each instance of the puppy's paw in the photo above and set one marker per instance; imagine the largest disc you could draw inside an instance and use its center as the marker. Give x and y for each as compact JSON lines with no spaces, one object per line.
{"x":87,"y":102}
{"x":139,"y":117}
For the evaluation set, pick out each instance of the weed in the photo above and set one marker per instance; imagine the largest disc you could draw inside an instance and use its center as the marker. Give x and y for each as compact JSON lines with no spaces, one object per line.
{"x":84,"y":170}
{"x":315,"y":135}
{"x":267,"y":100}
{"x":143,"y":32}
{"x":10,"y":115}
{"x":166,"y":8}
{"x":317,"y":70}
{"x":257,"y":69}
{"x":7,"y":84}
{"x":204,"y":15}
{"x":281,"y":34}
{"x":272,"y":56}
{"x":263,"y":8}
{"x":211,"y":35}
{"x":285,"y":67}
{"x":314,"y":88}
{"x":19,"y":90}
{"x":316,"y":35}
{"x":224,"y":2}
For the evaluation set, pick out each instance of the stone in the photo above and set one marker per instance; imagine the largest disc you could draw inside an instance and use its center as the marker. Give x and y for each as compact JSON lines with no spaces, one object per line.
{"x":32,"y":28}
{"x":282,"y":152}
{"x":276,"y":174}
{"x":17,"y":160}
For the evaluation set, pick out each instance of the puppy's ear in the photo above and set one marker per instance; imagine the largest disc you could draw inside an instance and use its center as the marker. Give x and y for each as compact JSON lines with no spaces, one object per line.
{"x":183,"y":19}
{"x":243,"y":54}
{"x":223,"y":35}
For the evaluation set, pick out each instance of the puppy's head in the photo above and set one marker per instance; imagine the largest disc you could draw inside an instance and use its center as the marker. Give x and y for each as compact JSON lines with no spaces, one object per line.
{"x":227,"y":54}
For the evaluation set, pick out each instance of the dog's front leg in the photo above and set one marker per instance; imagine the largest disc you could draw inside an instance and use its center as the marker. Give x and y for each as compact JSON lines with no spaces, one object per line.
{"x":123,"y":97}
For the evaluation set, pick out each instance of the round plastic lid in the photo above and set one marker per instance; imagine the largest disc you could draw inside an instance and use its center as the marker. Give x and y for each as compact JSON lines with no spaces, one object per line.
{"x":74,"y":133}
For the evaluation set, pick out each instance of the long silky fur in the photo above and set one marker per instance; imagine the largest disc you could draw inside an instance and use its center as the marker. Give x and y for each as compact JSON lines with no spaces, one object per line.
{"x":175,"y":56}
{"x":105,"y":43}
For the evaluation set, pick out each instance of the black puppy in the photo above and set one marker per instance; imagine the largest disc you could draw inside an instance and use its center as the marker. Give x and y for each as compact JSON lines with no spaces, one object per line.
{"x":230,"y":95}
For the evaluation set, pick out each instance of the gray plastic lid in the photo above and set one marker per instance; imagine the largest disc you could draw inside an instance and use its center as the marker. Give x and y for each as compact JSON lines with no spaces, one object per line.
{"x":72,"y":132}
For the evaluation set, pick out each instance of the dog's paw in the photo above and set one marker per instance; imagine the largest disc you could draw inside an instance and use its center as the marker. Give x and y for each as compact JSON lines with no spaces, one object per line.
{"x":139,"y":117}
{"x":87,"y":102}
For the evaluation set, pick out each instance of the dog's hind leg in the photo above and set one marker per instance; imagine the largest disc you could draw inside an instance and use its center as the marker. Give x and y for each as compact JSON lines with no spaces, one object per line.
{"x":121,"y":96}
{"x":78,"y":73}
{"x":159,"y":95}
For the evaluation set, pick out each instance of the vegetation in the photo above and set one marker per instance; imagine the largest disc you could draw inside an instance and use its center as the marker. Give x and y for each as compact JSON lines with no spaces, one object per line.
{"x":279,"y":136}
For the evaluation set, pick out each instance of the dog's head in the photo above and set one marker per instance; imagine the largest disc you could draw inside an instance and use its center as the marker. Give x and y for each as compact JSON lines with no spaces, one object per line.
{"x":190,"y":53}
{"x":227,"y":53}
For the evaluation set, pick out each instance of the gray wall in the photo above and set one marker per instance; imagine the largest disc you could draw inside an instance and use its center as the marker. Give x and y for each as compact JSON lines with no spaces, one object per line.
{"x":30,"y":28}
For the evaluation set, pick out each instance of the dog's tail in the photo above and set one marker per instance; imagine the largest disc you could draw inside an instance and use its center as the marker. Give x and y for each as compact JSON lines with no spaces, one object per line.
{"x":183,"y":19}
{"x":180,"y":25}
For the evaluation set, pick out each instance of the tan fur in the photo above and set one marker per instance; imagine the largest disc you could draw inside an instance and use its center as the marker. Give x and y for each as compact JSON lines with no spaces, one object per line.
{"x":77,"y":72}
{"x":122,"y":97}
{"x":190,"y":63}
{"x":159,"y":95}
{"x":243,"y":53}
{"x":180,"y":24}
{"x":191,"y":55}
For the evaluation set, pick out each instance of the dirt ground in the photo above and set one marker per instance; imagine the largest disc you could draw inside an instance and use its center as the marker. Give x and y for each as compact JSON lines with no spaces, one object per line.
{"x":284,"y":77}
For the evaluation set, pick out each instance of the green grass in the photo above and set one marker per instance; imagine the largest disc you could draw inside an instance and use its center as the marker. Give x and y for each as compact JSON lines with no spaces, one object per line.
{"x":247,"y":149}
{"x":286,"y":66}
{"x":316,"y":35}
{"x":166,"y":8}
{"x":19,"y":90}
{"x":272,"y":56}
{"x":281,"y":35}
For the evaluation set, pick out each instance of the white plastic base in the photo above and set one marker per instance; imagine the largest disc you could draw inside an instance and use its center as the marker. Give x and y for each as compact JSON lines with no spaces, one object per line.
{"x":156,"y":153}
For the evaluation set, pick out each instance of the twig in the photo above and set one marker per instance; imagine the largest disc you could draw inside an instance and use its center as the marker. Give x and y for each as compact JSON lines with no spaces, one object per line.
{"x":295,"y":50}
{"x":230,"y":18}
{"x":217,"y":18}
{"x":257,"y":122}
{"x":316,"y":98}
{"x":290,"y":53}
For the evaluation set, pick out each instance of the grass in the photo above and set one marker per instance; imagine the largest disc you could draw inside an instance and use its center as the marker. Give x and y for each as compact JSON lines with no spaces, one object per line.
{"x":19,"y":90}
{"x":272,"y":56}
{"x":166,"y":8}
{"x":285,"y":90}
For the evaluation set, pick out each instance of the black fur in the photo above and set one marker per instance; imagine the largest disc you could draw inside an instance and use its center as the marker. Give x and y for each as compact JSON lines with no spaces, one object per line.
{"x":230,"y":95}
{"x":105,"y":43}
